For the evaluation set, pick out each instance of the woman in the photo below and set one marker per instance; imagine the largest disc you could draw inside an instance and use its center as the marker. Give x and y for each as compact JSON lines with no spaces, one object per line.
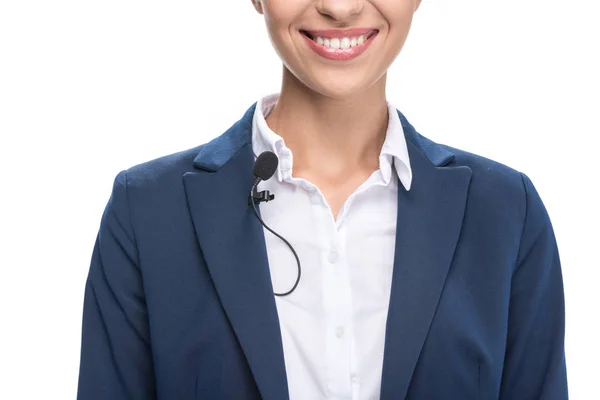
{"x":414,"y":269}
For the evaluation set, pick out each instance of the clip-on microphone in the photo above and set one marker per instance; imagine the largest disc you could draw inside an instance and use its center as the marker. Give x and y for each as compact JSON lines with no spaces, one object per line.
{"x":264,"y":168}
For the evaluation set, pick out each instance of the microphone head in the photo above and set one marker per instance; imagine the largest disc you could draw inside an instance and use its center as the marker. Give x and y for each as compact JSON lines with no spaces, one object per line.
{"x":265,"y":165}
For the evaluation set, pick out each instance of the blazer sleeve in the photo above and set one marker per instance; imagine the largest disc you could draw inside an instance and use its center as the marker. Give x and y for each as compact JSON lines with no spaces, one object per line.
{"x":116,"y":357}
{"x":534,"y":365}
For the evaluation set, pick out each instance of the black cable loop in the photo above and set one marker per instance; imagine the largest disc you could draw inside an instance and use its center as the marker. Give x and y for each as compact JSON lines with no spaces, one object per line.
{"x":280,"y":237}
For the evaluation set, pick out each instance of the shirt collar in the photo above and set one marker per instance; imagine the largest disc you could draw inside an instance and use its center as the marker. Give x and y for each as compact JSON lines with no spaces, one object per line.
{"x":394,"y":151}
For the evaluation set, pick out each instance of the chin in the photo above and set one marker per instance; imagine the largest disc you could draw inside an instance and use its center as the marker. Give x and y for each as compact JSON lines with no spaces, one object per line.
{"x":344,"y":90}
{"x":336,"y":86}
{"x":340,"y":92}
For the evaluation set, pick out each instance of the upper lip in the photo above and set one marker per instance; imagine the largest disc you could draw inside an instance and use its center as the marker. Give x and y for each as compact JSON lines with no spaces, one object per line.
{"x":339,"y":33}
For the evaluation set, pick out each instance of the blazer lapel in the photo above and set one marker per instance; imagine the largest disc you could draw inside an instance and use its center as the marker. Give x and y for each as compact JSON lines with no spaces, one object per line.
{"x":429,"y":222}
{"x":232,"y":243}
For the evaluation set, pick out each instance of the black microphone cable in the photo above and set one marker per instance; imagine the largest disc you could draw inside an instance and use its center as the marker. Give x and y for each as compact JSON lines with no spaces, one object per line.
{"x":264,"y":168}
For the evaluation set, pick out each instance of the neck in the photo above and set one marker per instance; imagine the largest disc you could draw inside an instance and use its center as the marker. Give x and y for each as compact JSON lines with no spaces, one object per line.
{"x":347,"y":132}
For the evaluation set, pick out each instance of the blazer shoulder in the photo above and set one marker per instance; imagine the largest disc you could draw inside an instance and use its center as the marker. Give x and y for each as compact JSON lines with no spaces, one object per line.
{"x":498,"y":192}
{"x":442,"y":155}
{"x":497,"y":198}
{"x":160,"y":171}
{"x":488,"y":173}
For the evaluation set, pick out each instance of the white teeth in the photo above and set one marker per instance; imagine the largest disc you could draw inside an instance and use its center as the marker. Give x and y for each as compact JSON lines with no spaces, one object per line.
{"x":340,"y":43}
{"x":345,"y":43}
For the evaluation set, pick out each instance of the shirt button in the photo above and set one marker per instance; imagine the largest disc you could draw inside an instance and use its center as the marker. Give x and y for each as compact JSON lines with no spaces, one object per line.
{"x":339,"y":332}
{"x":354,"y":379}
{"x":333,"y":256}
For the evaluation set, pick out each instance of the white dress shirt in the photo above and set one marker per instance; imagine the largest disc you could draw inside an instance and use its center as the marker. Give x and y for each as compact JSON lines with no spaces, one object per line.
{"x":333,"y":324}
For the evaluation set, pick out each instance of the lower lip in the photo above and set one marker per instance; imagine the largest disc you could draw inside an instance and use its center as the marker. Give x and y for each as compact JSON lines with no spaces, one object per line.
{"x":339,"y":54}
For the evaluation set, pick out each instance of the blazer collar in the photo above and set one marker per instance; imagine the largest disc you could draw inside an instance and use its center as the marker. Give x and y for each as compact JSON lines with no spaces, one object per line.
{"x":233,"y":246}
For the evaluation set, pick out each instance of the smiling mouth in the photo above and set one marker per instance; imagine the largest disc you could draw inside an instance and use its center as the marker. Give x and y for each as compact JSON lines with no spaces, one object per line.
{"x":340,"y":42}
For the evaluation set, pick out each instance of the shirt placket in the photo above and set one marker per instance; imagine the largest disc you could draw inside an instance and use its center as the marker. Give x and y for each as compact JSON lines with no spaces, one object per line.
{"x":337,"y":306}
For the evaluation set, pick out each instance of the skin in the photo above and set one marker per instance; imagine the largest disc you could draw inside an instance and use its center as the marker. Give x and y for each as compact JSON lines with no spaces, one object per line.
{"x":331,"y":110}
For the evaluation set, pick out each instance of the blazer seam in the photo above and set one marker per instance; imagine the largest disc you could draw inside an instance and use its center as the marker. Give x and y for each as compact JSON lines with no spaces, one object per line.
{"x":137,"y":251}
{"x":138,"y":265}
{"x":525,"y":220}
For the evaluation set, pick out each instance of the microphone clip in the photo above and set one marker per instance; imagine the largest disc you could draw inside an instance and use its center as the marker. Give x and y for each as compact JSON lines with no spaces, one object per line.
{"x":259,"y":197}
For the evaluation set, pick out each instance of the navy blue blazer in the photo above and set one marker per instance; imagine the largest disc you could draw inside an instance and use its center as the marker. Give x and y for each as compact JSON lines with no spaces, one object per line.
{"x":179,"y":302}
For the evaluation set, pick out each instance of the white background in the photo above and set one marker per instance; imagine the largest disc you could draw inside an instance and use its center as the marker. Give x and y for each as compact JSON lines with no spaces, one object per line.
{"x":88,"y":88}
